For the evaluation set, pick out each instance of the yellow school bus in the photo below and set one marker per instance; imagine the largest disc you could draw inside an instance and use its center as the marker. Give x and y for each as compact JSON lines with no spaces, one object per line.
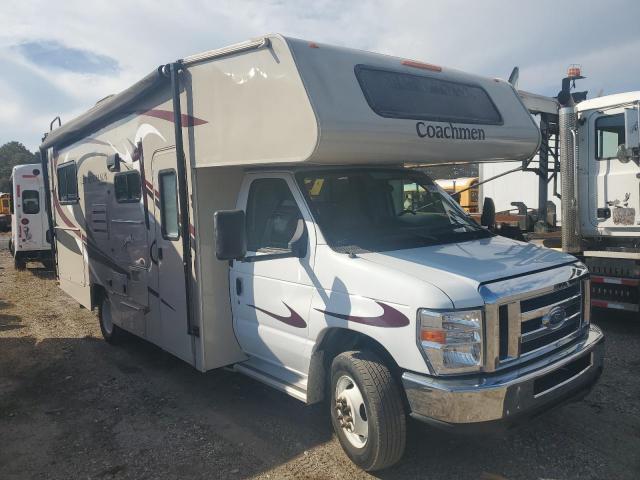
{"x":5,"y":211}
{"x":468,"y":199}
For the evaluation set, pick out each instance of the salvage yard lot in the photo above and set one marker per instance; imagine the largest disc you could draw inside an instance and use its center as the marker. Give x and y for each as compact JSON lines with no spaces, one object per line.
{"x":72,"y":406}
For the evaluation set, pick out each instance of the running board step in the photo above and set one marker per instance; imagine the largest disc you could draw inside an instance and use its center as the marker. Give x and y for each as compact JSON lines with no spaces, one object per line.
{"x":272,"y":381}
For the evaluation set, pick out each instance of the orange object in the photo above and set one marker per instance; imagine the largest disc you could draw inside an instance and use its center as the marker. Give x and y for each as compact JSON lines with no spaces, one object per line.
{"x":436,"y":336}
{"x":423,"y":66}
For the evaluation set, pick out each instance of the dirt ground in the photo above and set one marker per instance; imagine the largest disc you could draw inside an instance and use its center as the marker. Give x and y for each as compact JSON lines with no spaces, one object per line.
{"x":72,"y":406}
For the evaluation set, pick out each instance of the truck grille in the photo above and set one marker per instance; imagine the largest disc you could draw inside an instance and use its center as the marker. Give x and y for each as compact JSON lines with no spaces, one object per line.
{"x":532,"y":326}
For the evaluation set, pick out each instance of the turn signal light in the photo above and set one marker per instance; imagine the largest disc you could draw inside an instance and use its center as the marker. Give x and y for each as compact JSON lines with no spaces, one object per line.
{"x":436,"y":336}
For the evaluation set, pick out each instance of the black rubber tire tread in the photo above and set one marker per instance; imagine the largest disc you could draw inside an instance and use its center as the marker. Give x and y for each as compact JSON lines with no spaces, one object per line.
{"x":19,"y":263}
{"x":116,"y":334}
{"x":386,"y":414}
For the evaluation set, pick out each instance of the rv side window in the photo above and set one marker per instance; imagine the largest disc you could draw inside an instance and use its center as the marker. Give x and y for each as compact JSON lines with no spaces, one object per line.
{"x":272,"y":215}
{"x":30,"y":202}
{"x":67,"y":183}
{"x":169,"y":204}
{"x":394,"y":94}
{"x":127,"y":186}
{"x":609,"y":134}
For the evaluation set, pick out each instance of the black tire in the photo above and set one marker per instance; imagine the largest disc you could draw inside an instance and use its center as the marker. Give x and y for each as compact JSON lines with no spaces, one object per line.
{"x":48,"y":264}
{"x":19,"y":262}
{"x":112,"y":334}
{"x":384,"y":410}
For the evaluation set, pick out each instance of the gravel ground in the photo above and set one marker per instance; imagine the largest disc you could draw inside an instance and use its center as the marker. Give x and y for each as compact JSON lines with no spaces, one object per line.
{"x":72,"y":406}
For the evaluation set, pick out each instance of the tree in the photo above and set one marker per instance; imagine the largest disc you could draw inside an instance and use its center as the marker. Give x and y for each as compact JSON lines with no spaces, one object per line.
{"x":12,"y":154}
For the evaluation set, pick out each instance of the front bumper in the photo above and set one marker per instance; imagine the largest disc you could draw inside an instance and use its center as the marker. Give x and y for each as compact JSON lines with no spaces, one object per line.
{"x":505,"y":397}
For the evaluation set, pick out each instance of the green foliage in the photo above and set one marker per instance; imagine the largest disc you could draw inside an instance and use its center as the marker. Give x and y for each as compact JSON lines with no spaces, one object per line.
{"x":12,"y":154}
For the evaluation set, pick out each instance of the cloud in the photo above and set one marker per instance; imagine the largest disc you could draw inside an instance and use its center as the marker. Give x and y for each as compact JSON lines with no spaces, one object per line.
{"x":60,"y":57}
{"x":52,"y":55}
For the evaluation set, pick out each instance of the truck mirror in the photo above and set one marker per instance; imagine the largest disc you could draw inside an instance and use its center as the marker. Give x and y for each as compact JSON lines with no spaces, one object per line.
{"x":623,"y":154}
{"x":230,"y":234}
{"x":299,"y":240}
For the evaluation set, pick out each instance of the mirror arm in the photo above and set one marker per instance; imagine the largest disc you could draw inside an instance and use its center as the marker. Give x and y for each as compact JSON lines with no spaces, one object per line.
{"x":268,"y":256}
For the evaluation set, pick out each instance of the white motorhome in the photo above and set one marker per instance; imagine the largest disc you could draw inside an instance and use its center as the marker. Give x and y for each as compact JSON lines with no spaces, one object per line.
{"x":29,"y":222}
{"x":245,"y":207}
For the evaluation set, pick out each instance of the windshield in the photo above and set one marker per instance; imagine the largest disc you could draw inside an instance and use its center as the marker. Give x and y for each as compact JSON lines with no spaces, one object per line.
{"x":363,"y":210}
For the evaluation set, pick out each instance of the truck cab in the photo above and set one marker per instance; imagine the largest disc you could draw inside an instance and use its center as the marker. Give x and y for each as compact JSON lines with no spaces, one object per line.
{"x":474,"y":330}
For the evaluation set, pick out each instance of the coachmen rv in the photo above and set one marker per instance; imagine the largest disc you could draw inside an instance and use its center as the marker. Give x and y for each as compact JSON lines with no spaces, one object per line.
{"x":29,"y":224}
{"x":246,"y":207}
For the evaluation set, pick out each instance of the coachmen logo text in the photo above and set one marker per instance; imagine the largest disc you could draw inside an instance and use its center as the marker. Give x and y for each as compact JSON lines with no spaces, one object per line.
{"x":450,"y":132}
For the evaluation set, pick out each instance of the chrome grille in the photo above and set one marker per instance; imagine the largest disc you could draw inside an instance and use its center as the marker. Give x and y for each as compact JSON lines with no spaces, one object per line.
{"x":523,"y":322}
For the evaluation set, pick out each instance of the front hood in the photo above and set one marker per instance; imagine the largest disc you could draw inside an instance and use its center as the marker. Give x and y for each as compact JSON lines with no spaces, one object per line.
{"x":459,"y":268}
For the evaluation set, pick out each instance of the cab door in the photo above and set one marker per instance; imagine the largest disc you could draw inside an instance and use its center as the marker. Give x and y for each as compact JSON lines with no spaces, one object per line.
{"x":271,"y":298}
{"x":614,"y":186}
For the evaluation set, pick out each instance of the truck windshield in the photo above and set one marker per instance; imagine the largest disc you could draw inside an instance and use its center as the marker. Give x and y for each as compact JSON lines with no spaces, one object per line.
{"x":364,"y":210}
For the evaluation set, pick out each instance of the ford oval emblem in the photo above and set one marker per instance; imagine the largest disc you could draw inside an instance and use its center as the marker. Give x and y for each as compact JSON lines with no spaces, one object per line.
{"x":555,"y":318}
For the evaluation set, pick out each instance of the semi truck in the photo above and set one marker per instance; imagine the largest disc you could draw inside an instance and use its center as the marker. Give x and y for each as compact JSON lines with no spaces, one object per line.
{"x":582,"y":191}
{"x":245,"y":208}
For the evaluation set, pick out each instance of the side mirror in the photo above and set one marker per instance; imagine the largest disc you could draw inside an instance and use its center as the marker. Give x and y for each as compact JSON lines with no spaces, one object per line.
{"x":49,"y":237}
{"x":113,"y":162}
{"x":298,"y":243}
{"x":488,"y":218}
{"x":230,"y":234}
{"x":623,"y":154}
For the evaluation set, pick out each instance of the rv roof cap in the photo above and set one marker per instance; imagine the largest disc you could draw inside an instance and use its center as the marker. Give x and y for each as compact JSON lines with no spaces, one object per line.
{"x":278,"y":100}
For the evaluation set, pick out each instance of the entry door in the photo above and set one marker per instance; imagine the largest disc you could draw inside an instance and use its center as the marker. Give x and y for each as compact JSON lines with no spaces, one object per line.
{"x":616,"y":185}
{"x":271,"y":299}
{"x":166,"y":255}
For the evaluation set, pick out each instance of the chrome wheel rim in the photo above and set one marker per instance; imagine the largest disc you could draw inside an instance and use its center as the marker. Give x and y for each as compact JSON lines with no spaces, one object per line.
{"x":351,"y":411}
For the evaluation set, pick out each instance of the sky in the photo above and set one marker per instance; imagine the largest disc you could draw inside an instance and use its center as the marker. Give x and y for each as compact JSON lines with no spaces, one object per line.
{"x":59,"y":58}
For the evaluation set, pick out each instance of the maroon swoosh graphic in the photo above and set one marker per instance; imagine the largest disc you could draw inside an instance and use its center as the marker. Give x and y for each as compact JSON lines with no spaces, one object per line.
{"x":293,"y":319}
{"x":187,"y":120}
{"x":390,"y":318}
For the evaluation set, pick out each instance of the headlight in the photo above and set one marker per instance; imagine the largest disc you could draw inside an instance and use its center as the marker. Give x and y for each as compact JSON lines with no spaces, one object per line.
{"x":452,"y":341}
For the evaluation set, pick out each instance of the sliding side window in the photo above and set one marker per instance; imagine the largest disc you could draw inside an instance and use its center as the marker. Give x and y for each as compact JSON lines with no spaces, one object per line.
{"x":127,"y":186}
{"x":67,"y":183}
{"x":169,"y":204}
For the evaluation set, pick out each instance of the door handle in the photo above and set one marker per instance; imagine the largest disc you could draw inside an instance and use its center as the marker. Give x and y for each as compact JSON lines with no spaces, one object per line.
{"x":153,"y":260}
{"x":238,"y":286}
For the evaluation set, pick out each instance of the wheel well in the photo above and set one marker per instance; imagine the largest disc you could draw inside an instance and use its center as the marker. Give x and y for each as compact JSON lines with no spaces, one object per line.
{"x":98,"y":292}
{"x":334,"y":342}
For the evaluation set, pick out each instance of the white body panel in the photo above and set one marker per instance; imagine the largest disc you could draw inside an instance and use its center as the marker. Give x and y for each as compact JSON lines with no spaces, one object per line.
{"x":29,"y":220}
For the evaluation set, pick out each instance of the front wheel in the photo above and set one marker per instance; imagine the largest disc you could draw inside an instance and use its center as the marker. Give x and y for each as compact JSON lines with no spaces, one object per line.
{"x":367,"y":411}
{"x":110,"y":331}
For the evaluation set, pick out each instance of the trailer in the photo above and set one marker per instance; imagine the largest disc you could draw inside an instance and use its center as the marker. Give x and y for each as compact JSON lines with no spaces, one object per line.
{"x":29,"y":222}
{"x":246,"y":207}
{"x":585,"y":197}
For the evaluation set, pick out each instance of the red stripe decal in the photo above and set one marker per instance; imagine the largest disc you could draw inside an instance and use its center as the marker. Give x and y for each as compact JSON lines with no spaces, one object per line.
{"x":29,"y":176}
{"x":187,"y":120}
{"x":293,"y":319}
{"x":599,"y":303}
{"x":390,"y":317}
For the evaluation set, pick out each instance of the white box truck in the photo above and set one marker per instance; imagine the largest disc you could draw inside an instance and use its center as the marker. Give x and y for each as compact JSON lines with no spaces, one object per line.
{"x":246,"y":207}
{"x":29,"y":223}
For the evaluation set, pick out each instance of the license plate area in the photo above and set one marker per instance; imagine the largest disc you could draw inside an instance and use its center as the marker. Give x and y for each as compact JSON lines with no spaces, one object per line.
{"x":553,"y":380}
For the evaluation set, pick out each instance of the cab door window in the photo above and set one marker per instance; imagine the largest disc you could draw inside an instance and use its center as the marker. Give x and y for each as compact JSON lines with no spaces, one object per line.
{"x":272,"y":215}
{"x":609,"y":134}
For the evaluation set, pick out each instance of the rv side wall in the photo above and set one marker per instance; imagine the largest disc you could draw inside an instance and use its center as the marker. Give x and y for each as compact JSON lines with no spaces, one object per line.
{"x":215,"y":189}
